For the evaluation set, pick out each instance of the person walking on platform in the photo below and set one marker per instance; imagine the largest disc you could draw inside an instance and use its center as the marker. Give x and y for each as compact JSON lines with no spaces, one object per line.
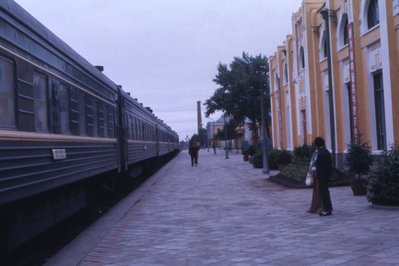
{"x":193,"y":151}
{"x":214,"y":147}
{"x":323,"y":173}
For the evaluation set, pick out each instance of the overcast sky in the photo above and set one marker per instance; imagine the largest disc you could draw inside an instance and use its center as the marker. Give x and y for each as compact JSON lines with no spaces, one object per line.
{"x":166,"y":52}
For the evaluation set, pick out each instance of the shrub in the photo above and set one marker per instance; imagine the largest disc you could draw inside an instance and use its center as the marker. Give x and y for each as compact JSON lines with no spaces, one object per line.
{"x":358,"y":159}
{"x":284,"y":157}
{"x":304,"y":152}
{"x":273,"y":159}
{"x":383,"y":183}
{"x":256,"y":160}
{"x":250,"y":151}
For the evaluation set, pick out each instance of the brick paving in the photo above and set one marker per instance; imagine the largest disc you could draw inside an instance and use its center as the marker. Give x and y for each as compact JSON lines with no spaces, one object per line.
{"x":225,"y":212}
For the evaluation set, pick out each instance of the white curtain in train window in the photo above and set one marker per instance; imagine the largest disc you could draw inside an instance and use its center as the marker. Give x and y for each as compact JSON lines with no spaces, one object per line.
{"x":40,"y":102}
{"x":63,"y":96}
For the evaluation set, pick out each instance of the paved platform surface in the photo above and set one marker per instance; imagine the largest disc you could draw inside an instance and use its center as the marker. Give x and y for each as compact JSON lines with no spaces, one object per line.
{"x":225,"y":212}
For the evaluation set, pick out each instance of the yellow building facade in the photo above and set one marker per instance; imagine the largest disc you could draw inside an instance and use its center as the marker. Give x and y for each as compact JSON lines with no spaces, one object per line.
{"x":337,"y":76}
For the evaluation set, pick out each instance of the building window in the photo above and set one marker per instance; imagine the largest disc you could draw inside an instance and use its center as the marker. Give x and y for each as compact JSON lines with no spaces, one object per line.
{"x":344,"y":34}
{"x":7,"y":98}
{"x":324,"y":46}
{"x":373,"y":16}
{"x":285,"y":73}
{"x":40,"y":102}
{"x":302,"y":57}
{"x":379,"y":111}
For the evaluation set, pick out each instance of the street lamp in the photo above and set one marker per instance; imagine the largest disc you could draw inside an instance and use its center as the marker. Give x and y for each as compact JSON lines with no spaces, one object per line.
{"x":262,"y":132}
{"x":225,"y":129}
{"x":213,"y":135}
{"x":225,"y":136}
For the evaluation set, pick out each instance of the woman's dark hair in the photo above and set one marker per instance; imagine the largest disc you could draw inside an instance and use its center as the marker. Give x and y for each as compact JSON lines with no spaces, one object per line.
{"x":319,"y":142}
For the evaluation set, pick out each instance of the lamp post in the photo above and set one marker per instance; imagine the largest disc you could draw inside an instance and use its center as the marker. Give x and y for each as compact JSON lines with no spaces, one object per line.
{"x":262,"y":132}
{"x":213,"y":135}
{"x":225,"y":136}
{"x":225,"y":129}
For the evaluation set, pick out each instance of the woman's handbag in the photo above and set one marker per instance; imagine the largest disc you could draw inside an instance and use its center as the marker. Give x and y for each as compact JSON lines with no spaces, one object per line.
{"x":309,"y":179}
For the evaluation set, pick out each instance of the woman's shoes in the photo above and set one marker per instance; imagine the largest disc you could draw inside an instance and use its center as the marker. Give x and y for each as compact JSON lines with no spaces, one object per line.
{"x":325,"y":213}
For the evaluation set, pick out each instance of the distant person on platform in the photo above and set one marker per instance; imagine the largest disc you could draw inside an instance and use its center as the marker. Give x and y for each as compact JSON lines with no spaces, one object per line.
{"x":214,"y":147}
{"x":323,"y":173}
{"x":193,"y":151}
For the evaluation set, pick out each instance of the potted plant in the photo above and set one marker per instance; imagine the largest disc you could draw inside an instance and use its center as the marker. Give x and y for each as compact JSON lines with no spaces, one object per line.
{"x":358,"y":161}
{"x":383,"y":185}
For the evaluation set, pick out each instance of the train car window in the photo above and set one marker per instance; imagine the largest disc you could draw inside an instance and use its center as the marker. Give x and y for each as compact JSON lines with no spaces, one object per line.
{"x":100,"y":119}
{"x":78,"y":112}
{"x":63,"y":96}
{"x":135,"y":123}
{"x":89,"y":116}
{"x":139,"y":134}
{"x":82,"y":113}
{"x":137,"y":129}
{"x":129,"y":126}
{"x":105,"y":121}
{"x":133,"y":127}
{"x":142,"y":131}
{"x":111,"y":122}
{"x":127,"y":123}
{"x":140,"y":127}
{"x":7,"y":98}
{"x":74,"y":111}
{"x":40,"y":102}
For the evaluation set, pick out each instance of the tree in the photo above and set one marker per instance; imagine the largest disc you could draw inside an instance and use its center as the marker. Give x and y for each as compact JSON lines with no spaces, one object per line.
{"x":231,"y":131}
{"x":200,"y":138}
{"x":241,"y":84}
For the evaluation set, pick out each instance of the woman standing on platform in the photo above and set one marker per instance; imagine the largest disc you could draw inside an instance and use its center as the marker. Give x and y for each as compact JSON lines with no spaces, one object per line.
{"x":316,"y":206}
{"x":323,"y":170}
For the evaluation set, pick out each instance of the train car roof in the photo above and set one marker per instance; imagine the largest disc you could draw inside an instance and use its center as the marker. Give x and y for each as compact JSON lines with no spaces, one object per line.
{"x":21,"y":15}
{"x":145,"y":110}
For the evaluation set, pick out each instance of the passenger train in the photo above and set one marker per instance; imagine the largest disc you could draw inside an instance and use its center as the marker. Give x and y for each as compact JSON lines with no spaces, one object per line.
{"x":63,"y":127}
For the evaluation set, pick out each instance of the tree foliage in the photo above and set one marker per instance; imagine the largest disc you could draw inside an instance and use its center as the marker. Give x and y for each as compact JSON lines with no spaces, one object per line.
{"x":200,"y":138}
{"x":241,"y":84}
{"x":231,"y":131}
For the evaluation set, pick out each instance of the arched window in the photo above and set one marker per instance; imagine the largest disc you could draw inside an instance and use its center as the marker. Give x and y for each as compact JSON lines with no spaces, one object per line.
{"x":344,"y":34}
{"x":302,"y":57}
{"x":373,"y":16}
{"x":285,"y":73}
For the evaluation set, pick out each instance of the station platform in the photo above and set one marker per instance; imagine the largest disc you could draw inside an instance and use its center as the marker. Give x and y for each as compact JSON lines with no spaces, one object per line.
{"x":225,"y":212}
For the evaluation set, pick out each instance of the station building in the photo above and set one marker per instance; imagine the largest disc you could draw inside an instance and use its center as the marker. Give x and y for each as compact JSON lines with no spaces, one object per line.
{"x":336,"y":75}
